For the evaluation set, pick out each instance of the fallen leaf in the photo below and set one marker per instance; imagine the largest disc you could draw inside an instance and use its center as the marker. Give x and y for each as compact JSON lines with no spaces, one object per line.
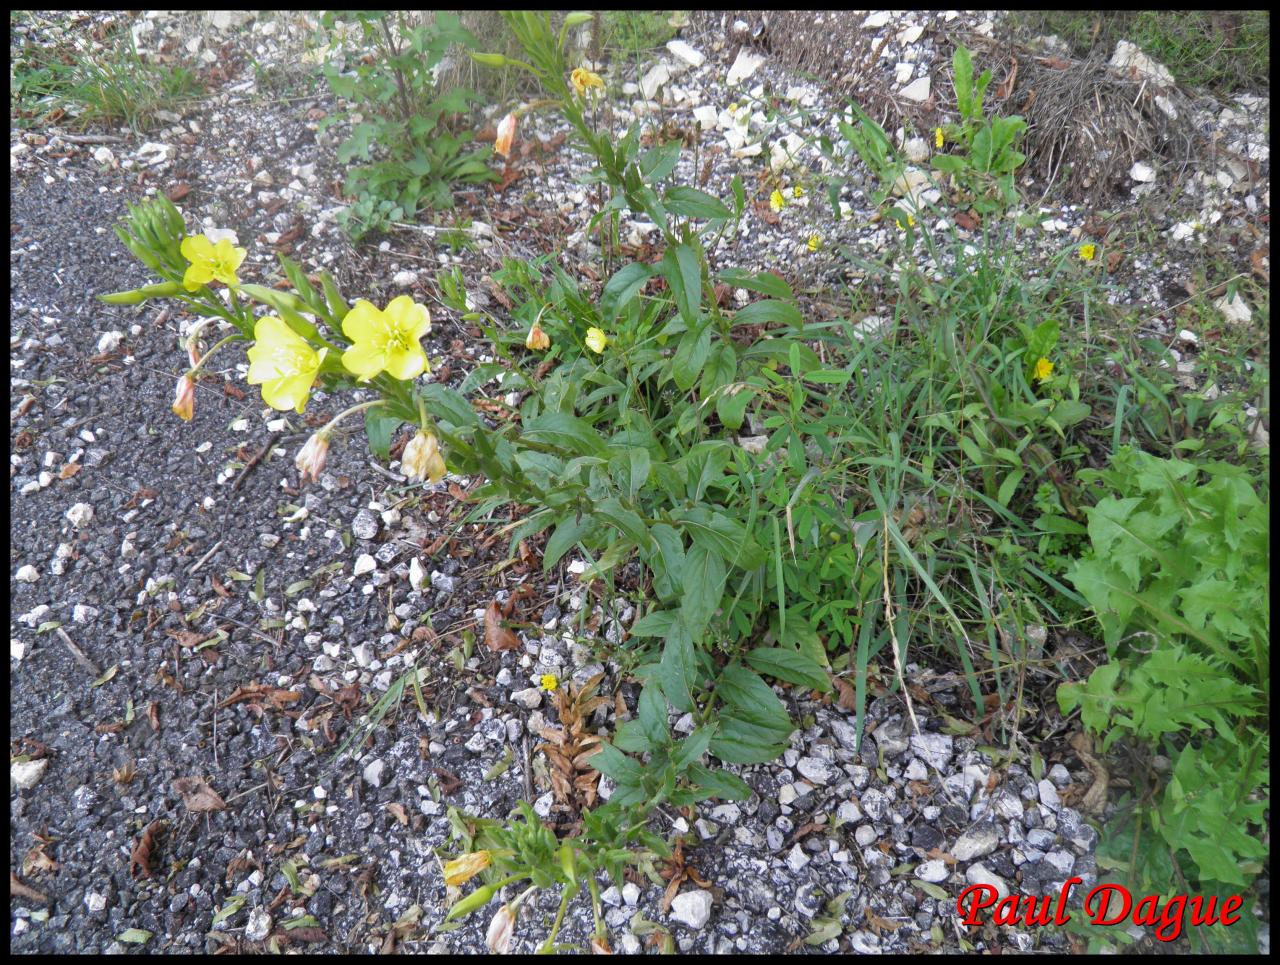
{"x":178,"y":191}
{"x":16,"y":887}
{"x":69,"y":470}
{"x":496,"y":636}
{"x":398,"y":812}
{"x":140,"y":858}
{"x":198,"y":796}
{"x":37,"y":860}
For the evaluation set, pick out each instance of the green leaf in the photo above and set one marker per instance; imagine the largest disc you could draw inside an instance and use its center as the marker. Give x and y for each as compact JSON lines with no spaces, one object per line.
{"x":725,"y":536}
{"x":683,"y":271}
{"x":657,"y":163}
{"x":765,"y":282}
{"x":651,"y":713}
{"x":731,"y":407}
{"x":448,"y":405}
{"x":630,"y":737}
{"x":691,"y":355}
{"x":740,"y":742}
{"x":564,"y":431}
{"x":135,"y":936}
{"x":612,"y":763}
{"x":567,"y":534}
{"x":623,"y":286}
{"x":703,"y":579}
{"x":379,"y":428}
{"x":720,"y":370}
{"x":752,"y":700}
{"x":693,"y":203}
{"x":769,"y":310}
{"x":719,"y":783}
{"x":690,"y":750}
{"x":791,"y":666}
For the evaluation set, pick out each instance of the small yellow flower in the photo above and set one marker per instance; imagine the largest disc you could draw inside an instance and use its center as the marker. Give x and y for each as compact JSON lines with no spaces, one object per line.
{"x":776,"y":201}
{"x":797,"y":192}
{"x":310,"y":459}
{"x":461,"y":870}
{"x":506,"y":134}
{"x":597,"y":341}
{"x":815,"y":242}
{"x":386,"y":340}
{"x":537,"y":340}
{"x":1043,"y":369}
{"x":184,"y":398}
{"x":938,"y":138}
{"x":548,"y":682}
{"x":910,"y":223}
{"x":584,"y":80}
{"x":283,"y":363}
{"x":732,"y":108}
{"x":210,"y":262}
{"x":1088,"y":252}
{"x":421,"y":458}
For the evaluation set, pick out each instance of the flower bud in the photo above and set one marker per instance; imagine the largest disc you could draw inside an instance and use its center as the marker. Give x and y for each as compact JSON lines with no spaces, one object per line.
{"x":506,"y":134}
{"x":311,"y":457}
{"x":501,"y":926}
{"x":538,"y":340}
{"x":184,"y":398}
{"x":477,"y":899}
{"x":489,"y":60}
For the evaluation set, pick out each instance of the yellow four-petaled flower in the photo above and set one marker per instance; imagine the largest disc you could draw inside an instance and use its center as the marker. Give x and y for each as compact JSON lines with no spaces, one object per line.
{"x":283,"y":363}
{"x":210,"y":262}
{"x":597,"y":340}
{"x":386,"y":340}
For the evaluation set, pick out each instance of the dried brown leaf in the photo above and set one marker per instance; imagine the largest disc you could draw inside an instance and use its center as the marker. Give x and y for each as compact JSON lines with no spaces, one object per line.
{"x":140,"y":857}
{"x":398,"y":812}
{"x":496,"y":636}
{"x":198,"y":796}
{"x":21,"y":890}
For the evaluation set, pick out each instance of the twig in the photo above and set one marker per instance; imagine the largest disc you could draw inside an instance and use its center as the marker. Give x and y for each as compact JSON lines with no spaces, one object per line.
{"x":204,"y":559}
{"x":893,"y":634}
{"x":78,"y":653}
{"x":271,"y":444}
{"x":92,"y":138}
{"x":252,"y":629}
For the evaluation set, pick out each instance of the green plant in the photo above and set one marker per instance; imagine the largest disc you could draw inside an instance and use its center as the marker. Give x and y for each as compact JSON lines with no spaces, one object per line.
{"x":409,"y":127}
{"x":1178,"y":575}
{"x":987,"y":167}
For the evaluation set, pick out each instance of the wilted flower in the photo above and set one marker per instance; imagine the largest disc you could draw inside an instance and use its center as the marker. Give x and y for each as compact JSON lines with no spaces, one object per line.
{"x":501,"y":926}
{"x":597,"y":341}
{"x":938,"y":138}
{"x":600,"y":946}
{"x":776,"y":201}
{"x":506,"y":134}
{"x":583,"y":80}
{"x":421,"y":459}
{"x":815,"y":242}
{"x":548,"y":682}
{"x":283,"y":363}
{"x":210,"y":262}
{"x":1043,"y":369}
{"x":1088,"y":251}
{"x":184,"y":399}
{"x":463,"y":869}
{"x":537,"y":340}
{"x":311,"y":457}
{"x":386,"y":340}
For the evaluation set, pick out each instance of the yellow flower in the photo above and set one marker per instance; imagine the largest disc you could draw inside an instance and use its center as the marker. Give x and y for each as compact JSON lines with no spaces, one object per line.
{"x":310,"y":459}
{"x":386,"y":340}
{"x":1088,"y":252}
{"x":938,"y":138}
{"x":184,"y":398}
{"x":463,"y":869}
{"x":548,"y":682}
{"x":911,"y":222}
{"x":1043,"y":369}
{"x":815,"y":242}
{"x":597,"y":341}
{"x":776,"y":201}
{"x":210,"y":262}
{"x":732,"y":108}
{"x":583,"y":80}
{"x":506,"y":134}
{"x":421,"y":458}
{"x":283,"y":363}
{"x":537,"y":340}
{"x":797,"y":192}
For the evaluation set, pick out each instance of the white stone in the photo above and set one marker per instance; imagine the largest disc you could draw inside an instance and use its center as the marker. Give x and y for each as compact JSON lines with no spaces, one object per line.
{"x":917,"y":150}
{"x":796,"y":858}
{"x":364,"y":564}
{"x":259,"y":925}
{"x":980,"y":874}
{"x":81,"y":613}
{"x":909,"y":35}
{"x":373,"y":771}
{"x":26,"y":774}
{"x":80,"y":515}
{"x":706,"y":116}
{"x":653,"y":80}
{"x":903,"y":73}
{"x":404,"y":279}
{"x":687,"y":53}
{"x":813,"y":769}
{"x":1128,"y":57}
{"x":1141,"y":171}
{"x":934,"y":871}
{"x":917,"y":91}
{"x":692,"y":908}
{"x":530,"y":698}
{"x":876,"y":20}
{"x":27,"y":574}
{"x":1234,"y":309}
{"x":1166,"y":105}
{"x":978,"y":841}
{"x":744,"y":65}
{"x":104,"y":155}
{"x":783,"y":152}
{"x":417,"y":574}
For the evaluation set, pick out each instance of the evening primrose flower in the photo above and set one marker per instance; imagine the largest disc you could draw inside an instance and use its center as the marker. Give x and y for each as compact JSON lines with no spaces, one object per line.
{"x":506,"y":134}
{"x":463,"y":869}
{"x":283,"y":363}
{"x":1088,"y":252}
{"x":537,"y":340}
{"x":815,"y":242}
{"x":548,"y":682}
{"x":184,"y":398}
{"x":310,"y":459}
{"x":597,"y":341}
{"x":797,"y":192}
{"x":421,"y":458}
{"x":1043,"y":369}
{"x":386,"y":340}
{"x":584,"y":80}
{"x":911,"y":222}
{"x":938,"y":138}
{"x":776,"y":201}
{"x":501,"y":926}
{"x":210,"y":262}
